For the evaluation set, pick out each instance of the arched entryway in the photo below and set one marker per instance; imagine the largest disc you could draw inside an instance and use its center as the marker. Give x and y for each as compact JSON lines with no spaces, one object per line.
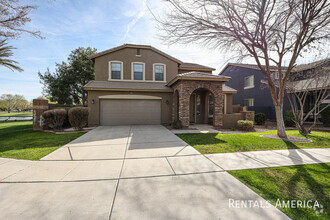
{"x":201,"y":107}
{"x":195,"y":94}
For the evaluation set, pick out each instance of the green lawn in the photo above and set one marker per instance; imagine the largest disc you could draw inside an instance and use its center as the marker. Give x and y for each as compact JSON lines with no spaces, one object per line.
{"x":5,"y":113}
{"x":18,"y":140}
{"x":223,"y":143}
{"x":303,"y":182}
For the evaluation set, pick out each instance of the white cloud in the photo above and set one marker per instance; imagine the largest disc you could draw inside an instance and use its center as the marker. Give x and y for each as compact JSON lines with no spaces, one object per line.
{"x":136,"y":17}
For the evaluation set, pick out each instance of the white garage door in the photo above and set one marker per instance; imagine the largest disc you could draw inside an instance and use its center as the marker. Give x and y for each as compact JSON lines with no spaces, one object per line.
{"x":130,"y":112}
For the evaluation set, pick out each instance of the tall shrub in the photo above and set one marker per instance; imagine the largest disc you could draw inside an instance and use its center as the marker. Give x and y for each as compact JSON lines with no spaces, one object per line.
{"x":55,"y":118}
{"x":289,"y":119}
{"x":78,"y":117}
{"x":260,"y":118}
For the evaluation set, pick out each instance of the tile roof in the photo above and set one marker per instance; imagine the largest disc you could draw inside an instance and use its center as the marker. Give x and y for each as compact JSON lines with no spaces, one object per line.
{"x":203,"y":75}
{"x":194,"y":66}
{"x":309,"y":84}
{"x":134,"y":46}
{"x":127,"y":85}
{"x":312,"y":65}
{"x":226,"y":88}
{"x":251,"y":66}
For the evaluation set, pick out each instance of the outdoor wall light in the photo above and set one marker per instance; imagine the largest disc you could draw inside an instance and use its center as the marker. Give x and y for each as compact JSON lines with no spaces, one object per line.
{"x":93,"y":101}
{"x":167,"y":102}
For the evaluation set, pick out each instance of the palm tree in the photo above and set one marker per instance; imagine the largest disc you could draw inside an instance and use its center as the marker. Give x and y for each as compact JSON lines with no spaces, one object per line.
{"x":5,"y":53}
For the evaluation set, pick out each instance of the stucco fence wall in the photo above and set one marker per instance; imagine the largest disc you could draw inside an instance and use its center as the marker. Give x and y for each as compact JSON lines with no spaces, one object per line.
{"x":42,"y":105}
{"x":230,"y":120}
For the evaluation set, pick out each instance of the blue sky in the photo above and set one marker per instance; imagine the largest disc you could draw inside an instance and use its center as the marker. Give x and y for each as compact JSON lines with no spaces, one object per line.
{"x":102,"y":24}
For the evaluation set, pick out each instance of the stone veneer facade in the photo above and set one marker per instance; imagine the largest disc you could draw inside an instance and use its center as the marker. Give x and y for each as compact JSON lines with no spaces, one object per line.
{"x":184,"y":89}
{"x":39,"y":107}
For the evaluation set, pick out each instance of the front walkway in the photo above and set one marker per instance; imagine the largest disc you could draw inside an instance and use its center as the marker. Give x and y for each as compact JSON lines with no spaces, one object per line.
{"x":133,"y":172}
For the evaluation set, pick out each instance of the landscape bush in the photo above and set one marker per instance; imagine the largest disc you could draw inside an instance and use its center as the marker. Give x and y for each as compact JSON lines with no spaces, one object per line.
{"x":245,"y":125}
{"x":289,"y":119}
{"x":176,"y":124}
{"x":54,"y":119}
{"x":78,"y":117}
{"x":325,"y":116}
{"x":260,"y":118}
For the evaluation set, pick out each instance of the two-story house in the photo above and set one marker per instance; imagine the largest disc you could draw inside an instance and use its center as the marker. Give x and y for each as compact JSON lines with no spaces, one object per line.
{"x":139,"y":84}
{"x":252,"y":91}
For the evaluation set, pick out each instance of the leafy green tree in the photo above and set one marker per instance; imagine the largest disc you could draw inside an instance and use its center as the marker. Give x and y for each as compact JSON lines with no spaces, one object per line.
{"x":65,"y":85}
{"x":2,"y":105}
{"x":5,"y":53}
{"x":13,"y":101}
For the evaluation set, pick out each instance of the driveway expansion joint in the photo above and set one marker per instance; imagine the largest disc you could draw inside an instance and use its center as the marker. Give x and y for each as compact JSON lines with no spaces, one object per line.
{"x":121,"y":170}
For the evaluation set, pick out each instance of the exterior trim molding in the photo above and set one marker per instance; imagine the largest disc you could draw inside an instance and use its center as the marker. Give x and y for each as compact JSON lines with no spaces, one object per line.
{"x":144,"y":97}
{"x":143,"y":74}
{"x":197,"y":78}
{"x":121,"y":70}
{"x":154,"y":73}
{"x":130,"y":90}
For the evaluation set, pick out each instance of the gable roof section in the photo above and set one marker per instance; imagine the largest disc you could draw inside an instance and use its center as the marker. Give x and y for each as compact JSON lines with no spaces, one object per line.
{"x":199,"y":76}
{"x":194,"y":66}
{"x":135,"y":46}
{"x":249,"y":66}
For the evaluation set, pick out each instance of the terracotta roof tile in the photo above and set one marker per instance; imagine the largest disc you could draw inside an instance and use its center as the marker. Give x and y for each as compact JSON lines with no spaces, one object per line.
{"x":195,"y":66}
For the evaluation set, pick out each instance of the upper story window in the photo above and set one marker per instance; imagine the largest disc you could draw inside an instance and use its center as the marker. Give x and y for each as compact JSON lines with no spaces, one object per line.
{"x":116,"y":70}
{"x":159,"y":72}
{"x":138,"y":71}
{"x":249,"y":82}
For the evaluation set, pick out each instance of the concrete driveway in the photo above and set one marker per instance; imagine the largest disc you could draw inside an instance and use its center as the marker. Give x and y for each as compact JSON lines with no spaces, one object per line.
{"x":125,"y":172}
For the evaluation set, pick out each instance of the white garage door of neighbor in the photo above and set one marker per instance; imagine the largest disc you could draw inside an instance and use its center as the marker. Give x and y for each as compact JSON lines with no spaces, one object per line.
{"x":130,"y":112}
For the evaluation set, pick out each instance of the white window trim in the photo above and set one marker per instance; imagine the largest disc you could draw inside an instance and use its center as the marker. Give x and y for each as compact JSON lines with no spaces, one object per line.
{"x":249,"y":87}
{"x":132,"y":71}
{"x":154,"y":73}
{"x":121,"y":72}
{"x":249,"y":102}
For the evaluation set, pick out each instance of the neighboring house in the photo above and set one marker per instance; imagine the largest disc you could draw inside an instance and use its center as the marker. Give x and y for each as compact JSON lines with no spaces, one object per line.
{"x":139,"y":84}
{"x":252,"y":92}
{"x":311,"y":80}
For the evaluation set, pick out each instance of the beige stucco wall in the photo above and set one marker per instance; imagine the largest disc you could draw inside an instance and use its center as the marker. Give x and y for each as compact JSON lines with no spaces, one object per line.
{"x":230,"y":120}
{"x":94,"y":117}
{"x":229,"y":103}
{"x":127,"y":56}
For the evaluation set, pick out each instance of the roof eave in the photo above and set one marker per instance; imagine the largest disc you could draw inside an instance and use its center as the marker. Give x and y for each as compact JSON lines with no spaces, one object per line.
{"x":197,"y":78}
{"x":188,"y":68}
{"x":127,"y":89}
{"x":102,"y":53}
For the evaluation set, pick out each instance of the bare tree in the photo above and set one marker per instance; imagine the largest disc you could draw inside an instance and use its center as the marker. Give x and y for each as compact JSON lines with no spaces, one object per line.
{"x":270,"y":31}
{"x":308,"y":87}
{"x":14,"y":16}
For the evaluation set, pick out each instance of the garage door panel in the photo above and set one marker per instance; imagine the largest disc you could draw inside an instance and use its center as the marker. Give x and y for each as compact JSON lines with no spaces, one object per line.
{"x":127,"y":112}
